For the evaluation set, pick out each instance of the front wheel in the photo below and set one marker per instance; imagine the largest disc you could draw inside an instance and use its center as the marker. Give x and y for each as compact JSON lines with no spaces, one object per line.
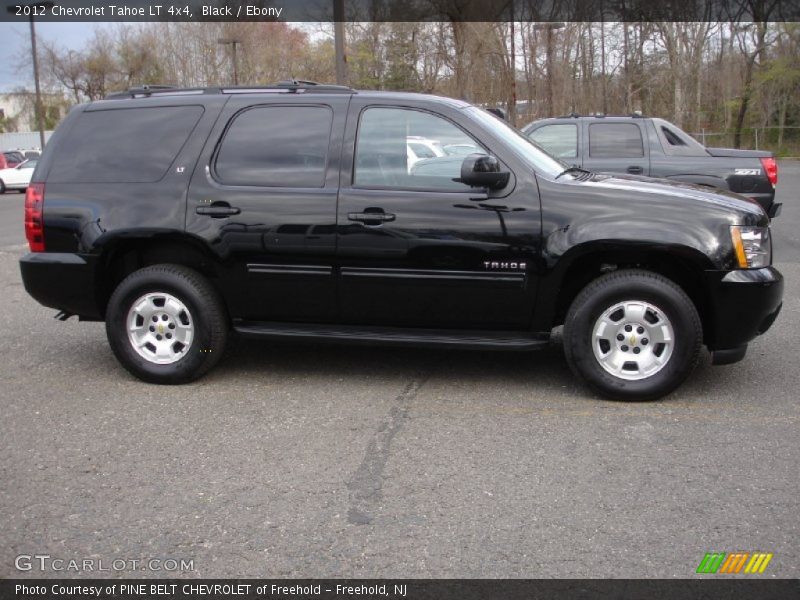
{"x":632,"y":335}
{"x":166,"y":324}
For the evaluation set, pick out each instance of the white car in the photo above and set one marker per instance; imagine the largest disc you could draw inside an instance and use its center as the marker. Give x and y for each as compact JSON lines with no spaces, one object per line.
{"x":17,"y":178}
{"x":462,"y":149}
{"x":419,"y":148}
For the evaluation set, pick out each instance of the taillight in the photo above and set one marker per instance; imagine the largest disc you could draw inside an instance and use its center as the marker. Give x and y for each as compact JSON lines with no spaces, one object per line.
{"x":34,"y":223}
{"x":771,"y":168}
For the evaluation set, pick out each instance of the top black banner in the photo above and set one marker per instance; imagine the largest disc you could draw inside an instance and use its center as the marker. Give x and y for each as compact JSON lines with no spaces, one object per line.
{"x":402,"y":10}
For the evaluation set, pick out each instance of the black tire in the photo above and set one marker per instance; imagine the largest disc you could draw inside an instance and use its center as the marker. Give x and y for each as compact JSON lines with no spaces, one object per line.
{"x":603,"y":294}
{"x":205,"y":313}
{"x":2,"y":187}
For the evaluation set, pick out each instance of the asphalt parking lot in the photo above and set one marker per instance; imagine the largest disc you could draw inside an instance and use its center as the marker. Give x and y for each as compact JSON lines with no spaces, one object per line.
{"x":298,"y":461}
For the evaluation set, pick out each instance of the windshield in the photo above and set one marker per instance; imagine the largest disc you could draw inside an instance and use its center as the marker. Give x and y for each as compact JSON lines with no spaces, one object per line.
{"x":538,"y":158}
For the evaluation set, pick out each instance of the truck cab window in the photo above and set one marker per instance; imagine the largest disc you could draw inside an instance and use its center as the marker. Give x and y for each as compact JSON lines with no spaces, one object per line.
{"x":559,"y":140}
{"x":615,"y":140}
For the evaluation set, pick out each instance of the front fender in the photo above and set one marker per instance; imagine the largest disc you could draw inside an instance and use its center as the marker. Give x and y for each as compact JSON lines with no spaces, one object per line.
{"x":690,"y":240}
{"x":704,"y":180}
{"x":584,"y":261}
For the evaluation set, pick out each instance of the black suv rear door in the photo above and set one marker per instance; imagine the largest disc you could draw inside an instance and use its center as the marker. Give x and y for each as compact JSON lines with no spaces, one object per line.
{"x":263,"y":197}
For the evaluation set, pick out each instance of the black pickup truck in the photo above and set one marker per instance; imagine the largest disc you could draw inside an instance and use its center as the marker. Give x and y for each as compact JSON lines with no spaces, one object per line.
{"x":295,"y":212}
{"x":657,"y":148}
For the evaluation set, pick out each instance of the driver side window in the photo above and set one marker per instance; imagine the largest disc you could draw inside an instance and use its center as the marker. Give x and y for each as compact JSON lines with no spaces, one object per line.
{"x":410,"y":149}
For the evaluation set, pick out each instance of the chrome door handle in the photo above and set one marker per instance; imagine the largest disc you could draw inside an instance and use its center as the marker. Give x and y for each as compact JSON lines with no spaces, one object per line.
{"x":370,"y":216}
{"x":217,"y":210}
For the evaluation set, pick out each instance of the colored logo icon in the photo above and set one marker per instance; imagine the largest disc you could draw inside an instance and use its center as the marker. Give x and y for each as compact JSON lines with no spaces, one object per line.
{"x":734,"y":562}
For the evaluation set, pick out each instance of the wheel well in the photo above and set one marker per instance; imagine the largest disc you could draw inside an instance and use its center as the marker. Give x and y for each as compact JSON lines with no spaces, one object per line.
{"x":683,"y":271}
{"x":128,"y":256}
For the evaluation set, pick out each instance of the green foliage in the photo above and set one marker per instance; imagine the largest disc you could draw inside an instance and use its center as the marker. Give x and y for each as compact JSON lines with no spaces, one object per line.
{"x":7,"y":124}
{"x":401,"y":58}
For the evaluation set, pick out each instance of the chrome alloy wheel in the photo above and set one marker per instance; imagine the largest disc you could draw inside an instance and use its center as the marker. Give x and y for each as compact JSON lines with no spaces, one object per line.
{"x":160,"y":328}
{"x":633,"y":340}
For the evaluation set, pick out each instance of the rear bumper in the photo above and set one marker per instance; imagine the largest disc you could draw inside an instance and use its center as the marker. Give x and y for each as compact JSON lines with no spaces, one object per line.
{"x":62,"y":281}
{"x":743,"y":304}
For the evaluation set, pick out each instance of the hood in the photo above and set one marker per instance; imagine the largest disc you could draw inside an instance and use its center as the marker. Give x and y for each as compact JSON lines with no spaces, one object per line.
{"x":684,"y":195}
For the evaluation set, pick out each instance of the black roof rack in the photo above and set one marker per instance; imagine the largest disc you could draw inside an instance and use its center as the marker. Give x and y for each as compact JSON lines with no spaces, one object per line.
{"x":574,"y":115}
{"x":145,"y":90}
{"x":287,"y":86}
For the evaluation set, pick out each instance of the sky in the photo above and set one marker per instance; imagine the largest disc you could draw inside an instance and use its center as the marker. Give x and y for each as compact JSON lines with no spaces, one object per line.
{"x":16,"y":43}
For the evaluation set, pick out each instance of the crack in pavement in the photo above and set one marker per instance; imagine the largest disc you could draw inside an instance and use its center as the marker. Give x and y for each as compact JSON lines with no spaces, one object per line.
{"x":366,"y":484}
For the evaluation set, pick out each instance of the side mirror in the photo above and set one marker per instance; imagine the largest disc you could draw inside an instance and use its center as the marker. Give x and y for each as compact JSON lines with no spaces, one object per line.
{"x":481,"y":170}
{"x":498,"y":112}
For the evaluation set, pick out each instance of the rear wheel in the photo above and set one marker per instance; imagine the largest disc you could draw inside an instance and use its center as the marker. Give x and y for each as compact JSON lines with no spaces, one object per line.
{"x":632,"y":335}
{"x":166,"y":324}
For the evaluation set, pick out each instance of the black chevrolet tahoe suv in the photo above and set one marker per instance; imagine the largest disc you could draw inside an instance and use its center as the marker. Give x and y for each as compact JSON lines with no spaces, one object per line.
{"x":657,"y":148}
{"x":297,"y":212}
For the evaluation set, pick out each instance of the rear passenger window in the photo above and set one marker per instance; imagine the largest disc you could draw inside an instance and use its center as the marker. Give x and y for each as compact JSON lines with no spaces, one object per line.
{"x":276,"y":146}
{"x":127,"y":145}
{"x":615,"y":139}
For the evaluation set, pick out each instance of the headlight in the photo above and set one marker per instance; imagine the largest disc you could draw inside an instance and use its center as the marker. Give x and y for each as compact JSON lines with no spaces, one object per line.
{"x":752,"y":246}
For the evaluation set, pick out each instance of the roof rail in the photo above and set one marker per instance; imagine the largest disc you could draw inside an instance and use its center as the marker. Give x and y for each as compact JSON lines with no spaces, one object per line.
{"x":150,"y":90}
{"x":634,"y":115}
{"x":287,"y":86}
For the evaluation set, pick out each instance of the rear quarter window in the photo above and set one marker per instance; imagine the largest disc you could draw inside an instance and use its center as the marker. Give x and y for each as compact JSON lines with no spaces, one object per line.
{"x":126,"y":145}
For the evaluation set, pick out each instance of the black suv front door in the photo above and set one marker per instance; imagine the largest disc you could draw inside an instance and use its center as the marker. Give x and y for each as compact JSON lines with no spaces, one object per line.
{"x":415,"y":246}
{"x":263,"y":197}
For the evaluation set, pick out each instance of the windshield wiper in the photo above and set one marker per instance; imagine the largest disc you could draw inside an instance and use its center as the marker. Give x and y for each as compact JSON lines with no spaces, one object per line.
{"x":573,"y":169}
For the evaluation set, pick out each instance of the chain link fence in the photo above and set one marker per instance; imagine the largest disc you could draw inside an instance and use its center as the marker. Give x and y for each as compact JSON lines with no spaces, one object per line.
{"x":783,"y":141}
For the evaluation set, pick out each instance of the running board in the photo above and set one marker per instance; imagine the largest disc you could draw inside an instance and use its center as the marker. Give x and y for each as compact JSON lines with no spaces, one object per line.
{"x":393,"y":336}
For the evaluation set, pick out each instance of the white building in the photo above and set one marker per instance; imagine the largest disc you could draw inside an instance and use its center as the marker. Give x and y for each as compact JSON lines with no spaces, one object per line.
{"x":19,"y":108}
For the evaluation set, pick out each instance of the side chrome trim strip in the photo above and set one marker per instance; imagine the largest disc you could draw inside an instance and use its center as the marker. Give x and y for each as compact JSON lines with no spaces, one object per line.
{"x":290,"y":269}
{"x":433,"y":274}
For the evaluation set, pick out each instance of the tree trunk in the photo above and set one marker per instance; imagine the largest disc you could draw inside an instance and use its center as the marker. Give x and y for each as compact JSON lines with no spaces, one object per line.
{"x":782,"y":121}
{"x":626,"y":70}
{"x":460,"y":67}
{"x":743,"y":104}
